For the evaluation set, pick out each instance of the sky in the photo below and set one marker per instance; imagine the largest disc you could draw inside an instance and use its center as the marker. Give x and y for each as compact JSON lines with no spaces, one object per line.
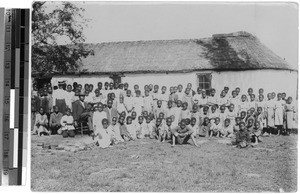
{"x":275,"y":24}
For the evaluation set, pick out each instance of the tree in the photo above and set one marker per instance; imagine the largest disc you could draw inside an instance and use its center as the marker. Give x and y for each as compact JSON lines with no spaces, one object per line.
{"x":57,"y":37}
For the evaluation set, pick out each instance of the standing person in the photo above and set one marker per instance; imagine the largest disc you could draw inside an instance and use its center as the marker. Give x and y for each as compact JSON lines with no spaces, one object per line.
{"x":129,"y":102}
{"x":59,"y":98}
{"x":197,"y":97}
{"x":203,"y":100}
{"x":173,"y":97}
{"x":212,"y":99}
{"x":99,"y":86}
{"x":164,"y":97}
{"x":97,"y":98}
{"x":138,"y":103}
{"x":250,"y":92}
{"x":55,"y":119}
{"x":158,"y":109}
{"x":50,"y":99}
{"x":195,"y":113}
{"x":69,"y":96}
{"x":121,"y":106}
{"x":170,"y":110}
{"x":44,"y":102}
{"x":180,"y":93}
{"x":185,"y":113}
{"x":244,"y":105}
{"x":234,"y":100}
{"x":67,"y":124}
{"x":289,"y":115}
{"x":111,"y":111}
{"x":238,"y":94}
{"x":155,"y":95}
{"x":148,"y":102}
{"x":279,"y":109}
{"x":223,"y":100}
{"x":188,"y":98}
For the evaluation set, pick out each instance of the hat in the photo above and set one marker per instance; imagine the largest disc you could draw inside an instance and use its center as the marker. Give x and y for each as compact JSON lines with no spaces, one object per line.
{"x":61,"y":83}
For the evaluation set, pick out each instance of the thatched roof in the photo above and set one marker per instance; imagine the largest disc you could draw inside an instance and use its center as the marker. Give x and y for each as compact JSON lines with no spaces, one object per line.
{"x":222,"y":52}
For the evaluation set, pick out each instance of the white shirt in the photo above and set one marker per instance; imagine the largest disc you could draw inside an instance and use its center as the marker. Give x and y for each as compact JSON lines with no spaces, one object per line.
{"x":67,"y":122}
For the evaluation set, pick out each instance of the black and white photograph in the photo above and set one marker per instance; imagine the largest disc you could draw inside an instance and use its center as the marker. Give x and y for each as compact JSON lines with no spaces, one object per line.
{"x":164,"y":96}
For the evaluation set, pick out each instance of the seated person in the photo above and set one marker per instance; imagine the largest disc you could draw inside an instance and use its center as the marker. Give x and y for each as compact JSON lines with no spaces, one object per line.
{"x":41,"y":123}
{"x":227,"y":130}
{"x":181,"y":134}
{"x":242,"y":136}
{"x":54,"y":122}
{"x":204,"y":128}
{"x":256,"y":133}
{"x":103,"y":134}
{"x":67,"y":124}
{"x":148,"y":128}
{"x":139,"y":128}
{"x":123,"y":130}
{"x":82,"y":111}
{"x":131,"y":127}
{"x":116,"y":131}
{"x":216,"y":128}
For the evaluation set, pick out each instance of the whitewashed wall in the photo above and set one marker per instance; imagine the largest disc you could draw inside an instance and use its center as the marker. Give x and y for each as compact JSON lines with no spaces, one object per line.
{"x":271,"y":80}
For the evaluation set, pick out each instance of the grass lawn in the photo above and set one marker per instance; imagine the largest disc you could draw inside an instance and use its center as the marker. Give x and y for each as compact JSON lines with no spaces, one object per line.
{"x":145,"y":165}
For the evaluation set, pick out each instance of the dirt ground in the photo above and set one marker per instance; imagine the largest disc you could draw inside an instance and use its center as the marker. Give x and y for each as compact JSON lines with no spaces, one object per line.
{"x":145,"y":165}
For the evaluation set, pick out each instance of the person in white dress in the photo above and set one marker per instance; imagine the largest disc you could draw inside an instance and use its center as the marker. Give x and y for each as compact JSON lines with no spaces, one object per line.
{"x":103,"y":134}
{"x":279,"y":110}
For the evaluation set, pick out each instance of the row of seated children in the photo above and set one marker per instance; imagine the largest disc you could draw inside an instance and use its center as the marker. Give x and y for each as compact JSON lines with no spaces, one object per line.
{"x":64,"y":124}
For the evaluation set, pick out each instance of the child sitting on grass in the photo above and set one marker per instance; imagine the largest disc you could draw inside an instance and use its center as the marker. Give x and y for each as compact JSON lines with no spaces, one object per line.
{"x":215,"y":128}
{"x":162,"y":129}
{"x":131,"y":128}
{"x":181,"y":134}
{"x":103,"y":135}
{"x":204,"y":128}
{"x":256,"y":133}
{"x":250,"y":125}
{"x":242,"y":136}
{"x":194,"y":126}
{"x":41,"y":123}
{"x":236,"y":127}
{"x":156,"y":130}
{"x":139,"y":128}
{"x":116,"y":130}
{"x":148,"y":127}
{"x":123,"y":130}
{"x":228,"y":129}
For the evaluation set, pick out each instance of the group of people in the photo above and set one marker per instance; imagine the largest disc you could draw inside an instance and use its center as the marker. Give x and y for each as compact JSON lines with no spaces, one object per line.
{"x":114,"y":113}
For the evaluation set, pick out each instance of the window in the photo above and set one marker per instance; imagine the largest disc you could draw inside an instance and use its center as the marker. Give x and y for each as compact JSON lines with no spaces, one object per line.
{"x":204,"y":81}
